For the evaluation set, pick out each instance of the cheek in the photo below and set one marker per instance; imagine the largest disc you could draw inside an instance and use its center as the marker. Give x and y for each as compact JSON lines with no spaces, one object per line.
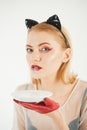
{"x":53,"y":62}
{"x":28,"y":60}
{"x":55,"y":57}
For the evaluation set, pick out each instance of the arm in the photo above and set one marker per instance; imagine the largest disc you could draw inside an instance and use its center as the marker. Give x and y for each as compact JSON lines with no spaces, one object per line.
{"x":18,"y":119}
{"x":48,"y":107}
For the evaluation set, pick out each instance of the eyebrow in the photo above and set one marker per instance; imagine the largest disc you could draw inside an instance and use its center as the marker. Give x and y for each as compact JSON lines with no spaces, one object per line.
{"x":39,"y":44}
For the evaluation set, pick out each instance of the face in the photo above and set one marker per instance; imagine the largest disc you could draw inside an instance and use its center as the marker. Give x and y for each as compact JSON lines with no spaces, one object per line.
{"x":44,"y":54}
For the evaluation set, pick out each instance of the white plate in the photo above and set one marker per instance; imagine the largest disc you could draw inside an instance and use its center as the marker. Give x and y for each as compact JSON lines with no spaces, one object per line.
{"x":31,"y":95}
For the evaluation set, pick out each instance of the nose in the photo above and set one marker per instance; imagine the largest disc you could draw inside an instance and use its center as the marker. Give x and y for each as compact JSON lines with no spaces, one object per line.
{"x":36,"y":56}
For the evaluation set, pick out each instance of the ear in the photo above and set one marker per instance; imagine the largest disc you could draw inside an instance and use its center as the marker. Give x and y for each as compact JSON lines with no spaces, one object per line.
{"x":67,"y":55}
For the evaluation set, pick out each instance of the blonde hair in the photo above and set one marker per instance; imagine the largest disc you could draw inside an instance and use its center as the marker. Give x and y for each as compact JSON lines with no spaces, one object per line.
{"x":63,"y":36}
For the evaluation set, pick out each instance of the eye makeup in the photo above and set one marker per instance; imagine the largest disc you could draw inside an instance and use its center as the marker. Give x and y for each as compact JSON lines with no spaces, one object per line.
{"x":43,"y":48}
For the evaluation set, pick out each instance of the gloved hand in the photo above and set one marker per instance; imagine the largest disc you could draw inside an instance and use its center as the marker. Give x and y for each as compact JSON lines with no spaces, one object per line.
{"x":45,"y":106}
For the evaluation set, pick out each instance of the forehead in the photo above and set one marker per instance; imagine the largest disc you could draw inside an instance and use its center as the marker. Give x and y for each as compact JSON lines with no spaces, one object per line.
{"x":36,"y":37}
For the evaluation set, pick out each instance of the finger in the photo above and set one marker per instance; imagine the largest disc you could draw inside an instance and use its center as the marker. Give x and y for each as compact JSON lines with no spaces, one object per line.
{"x":16,"y":101}
{"x":51,"y":103}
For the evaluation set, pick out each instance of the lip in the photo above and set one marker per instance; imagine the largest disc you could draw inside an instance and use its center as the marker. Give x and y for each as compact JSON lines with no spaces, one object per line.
{"x":36,"y":67}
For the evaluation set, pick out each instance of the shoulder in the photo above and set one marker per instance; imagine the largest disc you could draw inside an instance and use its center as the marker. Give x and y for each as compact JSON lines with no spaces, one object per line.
{"x":26,"y":86}
{"x":83,"y":87}
{"x":83,"y":84}
{"x":84,"y":96}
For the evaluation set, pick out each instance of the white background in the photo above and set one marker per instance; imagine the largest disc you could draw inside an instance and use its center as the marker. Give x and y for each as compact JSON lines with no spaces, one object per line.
{"x":13,"y":66}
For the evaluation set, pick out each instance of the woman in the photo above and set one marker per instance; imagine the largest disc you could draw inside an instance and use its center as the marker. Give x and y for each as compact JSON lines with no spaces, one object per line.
{"x":49,"y":53}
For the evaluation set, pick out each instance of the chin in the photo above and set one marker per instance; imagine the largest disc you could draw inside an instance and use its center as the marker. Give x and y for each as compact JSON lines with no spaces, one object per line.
{"x":38,"y":76}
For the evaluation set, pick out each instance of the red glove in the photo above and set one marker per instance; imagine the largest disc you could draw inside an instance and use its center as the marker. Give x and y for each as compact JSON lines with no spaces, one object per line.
{"x":43,"y":107}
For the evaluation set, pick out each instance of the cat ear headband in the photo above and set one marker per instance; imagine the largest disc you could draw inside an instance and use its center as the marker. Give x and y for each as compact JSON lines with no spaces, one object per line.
{"x":53,"y":20}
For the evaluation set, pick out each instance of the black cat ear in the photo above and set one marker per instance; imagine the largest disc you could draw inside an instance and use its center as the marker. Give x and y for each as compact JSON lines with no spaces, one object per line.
{"x":54,"y":20}
{"x":29,"y":23}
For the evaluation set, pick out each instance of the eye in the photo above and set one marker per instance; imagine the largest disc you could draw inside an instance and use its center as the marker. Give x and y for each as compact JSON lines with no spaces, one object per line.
{"x":29,"y":50}
{"x":45,"y":49}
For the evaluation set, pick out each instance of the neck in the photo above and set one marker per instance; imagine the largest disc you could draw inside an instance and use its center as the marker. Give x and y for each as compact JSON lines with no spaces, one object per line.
{"x":49,"y":83}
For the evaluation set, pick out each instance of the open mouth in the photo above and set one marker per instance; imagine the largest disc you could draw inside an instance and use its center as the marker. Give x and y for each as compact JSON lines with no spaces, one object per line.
{"x":36,"y":67}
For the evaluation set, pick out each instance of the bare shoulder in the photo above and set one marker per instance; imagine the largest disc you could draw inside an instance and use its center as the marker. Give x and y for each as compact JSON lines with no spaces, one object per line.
{"x":26,"y":86}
